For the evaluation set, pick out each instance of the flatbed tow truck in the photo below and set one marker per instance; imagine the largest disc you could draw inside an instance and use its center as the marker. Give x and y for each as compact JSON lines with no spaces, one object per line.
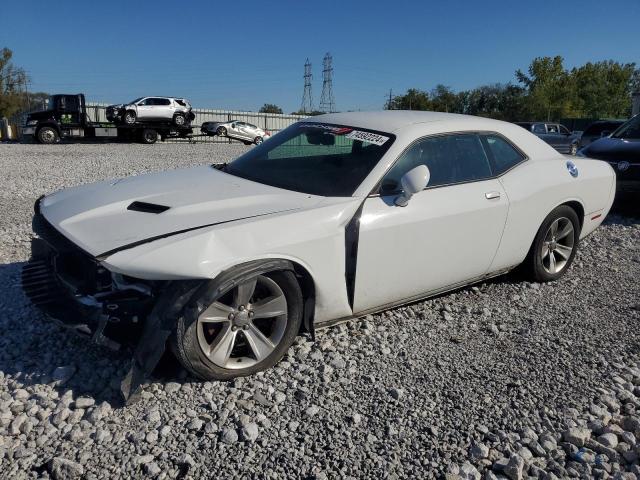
{"x":67,"y":118}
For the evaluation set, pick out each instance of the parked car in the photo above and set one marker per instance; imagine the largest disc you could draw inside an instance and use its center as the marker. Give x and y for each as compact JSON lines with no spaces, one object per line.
{"x":335,"y":217}
{"x":556,"y":135}
{"x":598,"y":129}
{"x":621,"y":150}
{"x":165,"y":109}
{"x":243,"y":131}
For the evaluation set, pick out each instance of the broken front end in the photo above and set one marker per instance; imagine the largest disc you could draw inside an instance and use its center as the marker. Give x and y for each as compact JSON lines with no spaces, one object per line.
{"x":71,"y":287}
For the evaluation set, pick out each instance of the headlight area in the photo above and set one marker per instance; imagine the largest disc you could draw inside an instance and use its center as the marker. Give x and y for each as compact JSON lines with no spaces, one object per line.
{"x":31,"y":123}
{"x":76,"y":290}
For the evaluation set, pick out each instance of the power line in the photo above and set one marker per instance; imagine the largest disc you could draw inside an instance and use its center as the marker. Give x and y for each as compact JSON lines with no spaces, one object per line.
{"x":327,"y":102}
{"x":307,"y":99}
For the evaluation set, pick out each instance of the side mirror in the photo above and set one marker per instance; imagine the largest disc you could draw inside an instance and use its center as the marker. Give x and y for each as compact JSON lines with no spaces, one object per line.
{"x":414,"y":181}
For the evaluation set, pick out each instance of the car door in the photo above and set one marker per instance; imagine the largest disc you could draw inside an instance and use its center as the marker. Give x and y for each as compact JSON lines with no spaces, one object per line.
{"x":447,"y":234}
{"x":554,"y":137}
{"x":163,"y":109}
{"x":145,"y":108}
{"x":234,"y":129}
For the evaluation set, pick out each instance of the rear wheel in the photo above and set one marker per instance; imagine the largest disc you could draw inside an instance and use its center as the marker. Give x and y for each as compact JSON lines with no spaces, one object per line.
{"x":221,"y":131}
{"x":554,"y":246}
{"x":149,"y":136}
{"x":129,"y":117}
{"x":48,"y":135}
{"x":257,"y":140}
{"x":574,"y":149}
{"x":245,"y":330}
{"x":179,"y":119}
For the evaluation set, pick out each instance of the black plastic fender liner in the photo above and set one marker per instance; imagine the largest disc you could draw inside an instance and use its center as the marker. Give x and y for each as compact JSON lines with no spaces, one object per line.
{"x":171,"y":305}
{"x":158,"y":327}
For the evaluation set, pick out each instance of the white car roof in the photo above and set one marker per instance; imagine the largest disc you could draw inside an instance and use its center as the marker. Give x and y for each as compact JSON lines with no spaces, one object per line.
{"x":392,"y":120}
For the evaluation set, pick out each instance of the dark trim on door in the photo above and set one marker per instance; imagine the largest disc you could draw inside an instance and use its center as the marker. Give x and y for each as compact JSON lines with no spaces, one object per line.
{"x":351,"y":238}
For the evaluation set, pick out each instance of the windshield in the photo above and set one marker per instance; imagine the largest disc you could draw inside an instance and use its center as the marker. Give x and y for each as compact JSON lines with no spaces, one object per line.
{"x":313,"y":158}
{"x":630,"y":130}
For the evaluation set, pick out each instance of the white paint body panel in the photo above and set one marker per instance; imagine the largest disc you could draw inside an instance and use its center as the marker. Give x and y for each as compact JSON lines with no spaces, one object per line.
{"x":444,"y":237}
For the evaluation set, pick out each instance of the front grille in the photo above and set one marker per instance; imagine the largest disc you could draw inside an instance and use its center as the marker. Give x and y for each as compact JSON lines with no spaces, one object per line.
{"x":76,"y":269}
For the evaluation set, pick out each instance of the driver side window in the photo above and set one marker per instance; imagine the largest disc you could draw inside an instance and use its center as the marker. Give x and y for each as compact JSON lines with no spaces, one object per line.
{"x":451,"y":159}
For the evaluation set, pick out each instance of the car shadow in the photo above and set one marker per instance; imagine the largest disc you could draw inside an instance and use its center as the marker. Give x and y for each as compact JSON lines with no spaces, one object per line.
{"x":32,"y":347}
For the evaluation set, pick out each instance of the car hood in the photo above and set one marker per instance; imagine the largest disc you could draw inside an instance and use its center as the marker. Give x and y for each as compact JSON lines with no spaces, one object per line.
{"x":100,"y":217}
{"x":614,"y":150}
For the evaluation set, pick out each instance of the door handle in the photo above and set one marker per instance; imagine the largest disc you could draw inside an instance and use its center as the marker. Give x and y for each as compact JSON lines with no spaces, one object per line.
{"x":492,"y":195}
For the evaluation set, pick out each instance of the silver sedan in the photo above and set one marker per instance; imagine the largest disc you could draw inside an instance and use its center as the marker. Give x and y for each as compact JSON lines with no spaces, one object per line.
{"x":236,"y":129}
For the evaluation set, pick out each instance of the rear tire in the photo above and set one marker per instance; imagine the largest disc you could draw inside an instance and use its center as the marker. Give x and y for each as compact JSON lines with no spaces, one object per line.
{"x":149,"y":136}
{"x":129,"y":117}
{"x":554,"y":247}
{"x":48,"y":136}
{"x":215,"y":340}
{"x":179,"y":120}
{"x":257,"y":140}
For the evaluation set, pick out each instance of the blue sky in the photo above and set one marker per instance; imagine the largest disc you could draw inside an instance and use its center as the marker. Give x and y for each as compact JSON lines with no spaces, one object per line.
{"x":240,"y":55}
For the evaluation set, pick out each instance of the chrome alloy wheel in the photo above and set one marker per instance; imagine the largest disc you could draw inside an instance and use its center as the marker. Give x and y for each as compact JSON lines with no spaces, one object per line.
{"x":558,"y":245}
{"x":48,"y":136}
{"x":244,"y":326}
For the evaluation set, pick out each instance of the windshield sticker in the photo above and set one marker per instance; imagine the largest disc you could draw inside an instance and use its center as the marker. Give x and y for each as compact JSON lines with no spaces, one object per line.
{"x":367,"y":137}
{"x":329,"y":128}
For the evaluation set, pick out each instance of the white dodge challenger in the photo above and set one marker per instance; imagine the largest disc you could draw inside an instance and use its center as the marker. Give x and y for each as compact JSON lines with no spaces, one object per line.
{"x":337,"y":216}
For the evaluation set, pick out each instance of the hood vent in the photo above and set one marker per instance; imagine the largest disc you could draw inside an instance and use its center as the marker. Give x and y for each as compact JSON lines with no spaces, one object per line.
{"x":147,"y":207}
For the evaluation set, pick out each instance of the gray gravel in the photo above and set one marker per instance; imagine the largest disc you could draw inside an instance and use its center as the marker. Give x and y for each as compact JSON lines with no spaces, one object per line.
{"x":505,"y":379}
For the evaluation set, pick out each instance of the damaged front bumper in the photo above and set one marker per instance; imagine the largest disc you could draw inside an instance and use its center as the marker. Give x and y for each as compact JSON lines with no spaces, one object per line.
{"x":72,"y":287}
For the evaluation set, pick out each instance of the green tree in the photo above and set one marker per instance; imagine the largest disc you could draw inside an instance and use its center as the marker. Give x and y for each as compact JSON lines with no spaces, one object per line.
{"x":270,"y":108}
{"x":549,"y":88}
{"x":443,"y":99}
{"x":414,"y":99}
{"x":13,"y":82}
{"x":603,"y":89}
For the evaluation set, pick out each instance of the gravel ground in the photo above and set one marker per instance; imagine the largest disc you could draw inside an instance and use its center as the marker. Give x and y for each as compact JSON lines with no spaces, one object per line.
{"x":506,"y":379}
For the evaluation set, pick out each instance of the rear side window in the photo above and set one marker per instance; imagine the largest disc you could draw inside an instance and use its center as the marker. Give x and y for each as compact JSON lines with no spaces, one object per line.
{"x":162,"y":101}
{"x":181,"y":102}
{"x":451,"y":159}
{"x":539,"y":128}
{"x":502,"y":153}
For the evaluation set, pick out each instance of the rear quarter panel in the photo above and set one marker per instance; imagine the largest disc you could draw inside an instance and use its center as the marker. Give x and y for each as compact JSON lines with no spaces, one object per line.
{"x":536,"y":187}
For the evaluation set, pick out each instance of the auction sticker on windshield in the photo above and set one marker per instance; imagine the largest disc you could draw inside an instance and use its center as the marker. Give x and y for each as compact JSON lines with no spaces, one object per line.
{"x":367,"y":137}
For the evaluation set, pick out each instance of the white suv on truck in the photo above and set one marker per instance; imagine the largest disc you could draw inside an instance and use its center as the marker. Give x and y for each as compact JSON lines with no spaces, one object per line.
{"x":143,"y":109}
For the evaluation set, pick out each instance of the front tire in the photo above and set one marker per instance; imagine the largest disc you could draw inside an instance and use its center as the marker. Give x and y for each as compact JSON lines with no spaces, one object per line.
{"x":554,"y":246}
{"x":130,"y":117}
{"x":574,"y":149}
{"x":258,"y":140}
{"x":48,"y":135}
{"x":247,"y":329}
{"x":221,"y":131}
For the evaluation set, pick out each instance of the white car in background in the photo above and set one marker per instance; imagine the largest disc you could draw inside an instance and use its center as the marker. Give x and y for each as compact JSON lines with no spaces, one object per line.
{"x":236,"y":129}
{"x":150,"y":109}
{"x":337,"y":216}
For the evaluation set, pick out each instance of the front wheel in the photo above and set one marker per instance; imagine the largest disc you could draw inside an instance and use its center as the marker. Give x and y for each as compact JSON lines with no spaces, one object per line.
{"x":130,"y":117}
{"x":48,"y":135}
{"x":221,"y":131}
{"x":257,"y":140}
{"x":245,"y":330}
{"x":574,"y":149}
{"x":554,"y":246}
